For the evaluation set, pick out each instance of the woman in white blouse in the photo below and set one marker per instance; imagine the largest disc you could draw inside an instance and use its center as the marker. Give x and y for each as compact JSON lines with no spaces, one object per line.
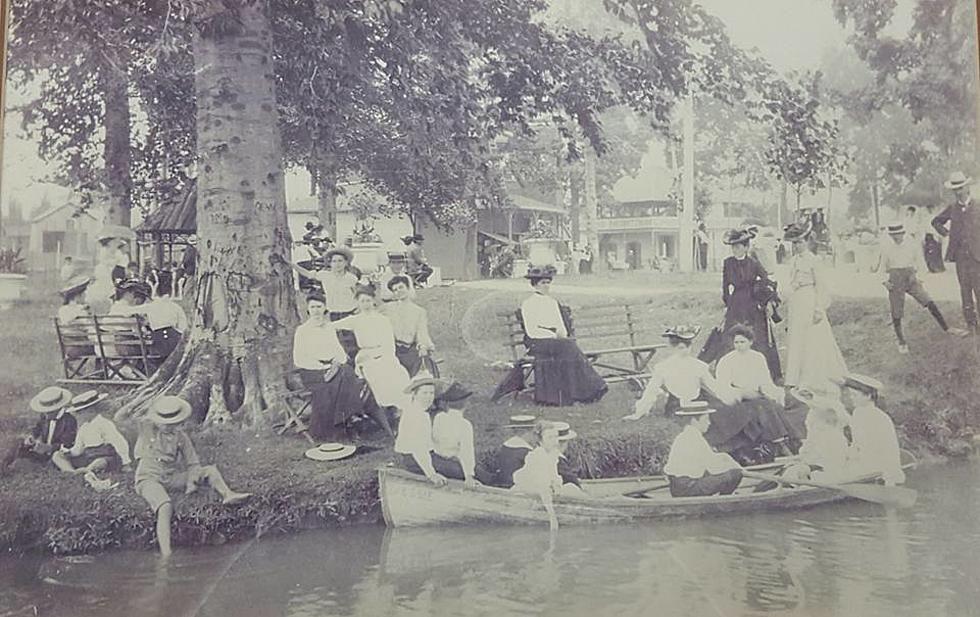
{"x":812,"y":352}
{"x":562,"y":374}
{"x":746,"y":372}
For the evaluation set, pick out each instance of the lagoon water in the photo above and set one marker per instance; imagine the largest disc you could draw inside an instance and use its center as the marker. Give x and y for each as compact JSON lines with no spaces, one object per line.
{"x":852,"y":559}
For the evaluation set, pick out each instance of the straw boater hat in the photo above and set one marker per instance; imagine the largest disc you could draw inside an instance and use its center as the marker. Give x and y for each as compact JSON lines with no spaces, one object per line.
{"x":397,"y":256}
{"x":426,"y":379}
{"x":87,"y":399}
{"x":737,"y":236}
{"x":565,"y":431}
{"x":694,"y":408}
{"x":538,"y":273}
{"x":957,"y":180}
{"x":863,"y":383}
{"x":895,"y":229}
{"x":52,"y":398}
{"x":75,"y":285}
{"x":522,"y":421}
{"x":684,"y":333}
{"x":169,"y":410}
{"x":330,"y":452}
{"x":339,"y":250}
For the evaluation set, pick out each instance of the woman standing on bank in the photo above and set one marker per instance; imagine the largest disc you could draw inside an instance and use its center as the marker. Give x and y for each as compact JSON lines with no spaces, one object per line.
{"x":741,"y":274}
{"x":812,"y":352}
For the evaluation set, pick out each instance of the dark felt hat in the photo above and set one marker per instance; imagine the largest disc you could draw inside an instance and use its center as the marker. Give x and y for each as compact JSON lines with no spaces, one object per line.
{"x":454,"y":393}
{"x":737,"y":236}
{"x":795,"y":231}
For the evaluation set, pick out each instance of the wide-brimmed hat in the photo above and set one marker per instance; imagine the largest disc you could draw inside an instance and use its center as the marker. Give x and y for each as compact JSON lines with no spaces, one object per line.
{"x":52,"y":398}
{"x":87,"y":399}
{"x":737,"y":236}
{"x":115,"y":231}
{"x":895,"y":229}
{"x":694,"y":408}
{"x":330,"y":452}
{"x":863,"y":383}
{"x":169,"y":410}
{"x":796,"y":231}
{"x":565,"y":431}
{"x":684,"y":333}
{"x":522,"y":421}
{"x":539,"y":273}
{"x":75,"y":285}
{"x":814,"y":398}
{"x":136,"y":287}
{"x":339,"y":250}
{"x":957,"y":180}
{"x":454,"y":393}
{"x":425,"y":379}
{"x":397,"y":257}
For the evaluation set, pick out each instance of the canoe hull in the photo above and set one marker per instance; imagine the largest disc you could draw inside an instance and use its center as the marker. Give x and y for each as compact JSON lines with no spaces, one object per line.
{"x":409,"y":500}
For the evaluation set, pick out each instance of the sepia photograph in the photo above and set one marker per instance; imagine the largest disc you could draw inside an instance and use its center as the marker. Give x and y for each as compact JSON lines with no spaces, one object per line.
{"x":356,"y":308}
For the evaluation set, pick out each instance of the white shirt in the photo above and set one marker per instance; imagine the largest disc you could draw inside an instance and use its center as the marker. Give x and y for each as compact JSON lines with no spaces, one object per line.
{"x":907,"y":254}
{"x":542,"y":317}
{"x":409,"y":323}
{"x":874,"y":445}
{"x":316,"y":344}
{"x":70,"y":312}
{"x":164,"y":313}
{"x":452,"y":437}
{"x":414,"y":431}
{"x":539,"y":473}
{"x":747,"y":371}
{"x":339,"y":290}
{"x":99,"y":431}
{"x":682,"y":376}
{"x":373,"y":332}
{"x":691,"y":456}
{"x":825,"y":445}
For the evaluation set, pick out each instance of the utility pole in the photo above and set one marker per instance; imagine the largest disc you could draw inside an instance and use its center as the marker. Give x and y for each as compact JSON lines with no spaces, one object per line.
{"x":590,"y":212}
{"x":685,"y":248}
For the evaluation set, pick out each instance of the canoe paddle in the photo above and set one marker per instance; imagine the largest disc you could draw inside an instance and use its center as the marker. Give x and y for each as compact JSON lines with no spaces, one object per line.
{"x":897,"y":496}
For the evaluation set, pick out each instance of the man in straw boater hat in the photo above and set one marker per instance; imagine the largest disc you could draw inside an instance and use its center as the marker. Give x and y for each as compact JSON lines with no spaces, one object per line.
{"x":166,"y":459}
{"x":55,"y":429}
{"x":960,"y":221}
{"x":693,"y":468}
{"x":874,"y":443}
{"x":99,"y":446}
{"x":901,"y":258}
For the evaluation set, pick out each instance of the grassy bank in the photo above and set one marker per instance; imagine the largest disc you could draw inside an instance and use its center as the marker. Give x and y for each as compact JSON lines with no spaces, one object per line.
{"x":931,"y":393}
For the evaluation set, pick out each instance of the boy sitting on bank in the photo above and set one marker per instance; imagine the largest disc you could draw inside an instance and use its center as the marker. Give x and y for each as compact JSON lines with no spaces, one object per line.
{"x":167,"y":460}
{"x":99,"y":446}
{"x":56,"y":429}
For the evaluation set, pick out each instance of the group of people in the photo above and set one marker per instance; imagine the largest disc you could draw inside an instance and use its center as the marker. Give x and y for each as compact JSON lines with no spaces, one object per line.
{"x":73,"y":435}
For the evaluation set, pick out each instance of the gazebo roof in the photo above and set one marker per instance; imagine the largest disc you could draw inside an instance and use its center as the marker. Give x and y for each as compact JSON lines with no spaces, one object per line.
{"x":180,"y":216}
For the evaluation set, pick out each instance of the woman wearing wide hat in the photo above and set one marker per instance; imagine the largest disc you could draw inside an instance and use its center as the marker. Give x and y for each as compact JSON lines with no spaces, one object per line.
{"x":742,"y":275}
{"x":812,"y":352}
{"x":562,"y":374}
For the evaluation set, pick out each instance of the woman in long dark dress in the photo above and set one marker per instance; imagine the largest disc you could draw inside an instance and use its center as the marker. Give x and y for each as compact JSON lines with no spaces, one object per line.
{"x":740,"y":276}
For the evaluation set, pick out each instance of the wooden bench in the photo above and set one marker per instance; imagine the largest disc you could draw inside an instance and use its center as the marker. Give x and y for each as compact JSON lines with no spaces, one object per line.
{"x":107,"y":349}
{"x":610,"y":336}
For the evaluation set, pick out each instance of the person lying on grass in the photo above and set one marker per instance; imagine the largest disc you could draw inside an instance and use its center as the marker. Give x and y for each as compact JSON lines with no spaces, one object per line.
{"x":99,"y":446}
{"x":55,"y":429}
{"x":167,"y":460}
{"x":693,"y":468}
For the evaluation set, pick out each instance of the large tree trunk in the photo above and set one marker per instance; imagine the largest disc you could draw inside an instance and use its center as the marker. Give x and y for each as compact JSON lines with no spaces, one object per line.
{"x":119,"y":180}
{"x":245,"y":306}
{"x":326,"y":190}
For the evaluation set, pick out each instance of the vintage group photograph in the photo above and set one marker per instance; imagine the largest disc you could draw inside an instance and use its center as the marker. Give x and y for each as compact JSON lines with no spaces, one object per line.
{"x":340,"y":308}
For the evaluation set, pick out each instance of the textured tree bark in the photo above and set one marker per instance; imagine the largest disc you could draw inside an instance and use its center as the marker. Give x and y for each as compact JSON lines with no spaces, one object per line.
{"x":232,"y":363}
{"x":119,"y":180}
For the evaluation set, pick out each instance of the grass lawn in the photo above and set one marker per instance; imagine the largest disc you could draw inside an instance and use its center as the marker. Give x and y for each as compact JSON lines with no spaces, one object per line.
{"x":931,"y":393}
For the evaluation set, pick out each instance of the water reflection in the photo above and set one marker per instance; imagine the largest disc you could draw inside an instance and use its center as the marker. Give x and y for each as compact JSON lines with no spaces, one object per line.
{"x":854,"y":559}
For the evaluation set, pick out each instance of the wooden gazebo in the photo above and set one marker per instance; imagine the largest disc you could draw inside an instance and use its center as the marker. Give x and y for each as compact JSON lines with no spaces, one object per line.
{"x":166,"y":233}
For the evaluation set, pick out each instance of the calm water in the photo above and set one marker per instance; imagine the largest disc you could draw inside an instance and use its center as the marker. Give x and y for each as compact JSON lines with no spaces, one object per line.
{"x":856,"y":559}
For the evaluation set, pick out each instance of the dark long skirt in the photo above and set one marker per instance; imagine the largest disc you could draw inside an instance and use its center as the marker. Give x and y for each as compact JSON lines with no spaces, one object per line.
{"x":733,"y":427}
{"x":708,"y":484}
{"x":447,"y":467}
{"x":165,"y":340}
{"x":743,"y":309}
{"x":346,"y":337}
{"x":563,"y":375}
{"x":934,"y":254}
{"x":774,"y":421}
{"x":333,"y":402}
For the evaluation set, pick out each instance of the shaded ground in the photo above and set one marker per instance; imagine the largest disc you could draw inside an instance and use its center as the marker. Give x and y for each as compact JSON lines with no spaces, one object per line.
{"x":932,"y":394}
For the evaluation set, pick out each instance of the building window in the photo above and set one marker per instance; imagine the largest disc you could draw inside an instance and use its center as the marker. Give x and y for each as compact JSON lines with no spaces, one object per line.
{"x":52,"y":241}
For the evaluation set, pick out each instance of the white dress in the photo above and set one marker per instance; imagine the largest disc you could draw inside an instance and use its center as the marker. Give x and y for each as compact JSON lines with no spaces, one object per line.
{"x":813,"y":356}
{"x":376,"y":360}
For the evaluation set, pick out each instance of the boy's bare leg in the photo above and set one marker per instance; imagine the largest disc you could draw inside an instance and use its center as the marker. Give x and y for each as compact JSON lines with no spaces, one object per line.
{"x":164,"y":514}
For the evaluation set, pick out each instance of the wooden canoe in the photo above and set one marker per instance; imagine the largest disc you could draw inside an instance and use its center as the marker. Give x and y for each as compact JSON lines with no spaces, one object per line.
{"x":409,"y":500}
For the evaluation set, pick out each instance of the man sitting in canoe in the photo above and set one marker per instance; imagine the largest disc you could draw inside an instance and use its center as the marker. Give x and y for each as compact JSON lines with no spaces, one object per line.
{"x":693,"y":468}
{"x":539,"y":473}
{"x":440,"y":448}
{"x":874,"y":444}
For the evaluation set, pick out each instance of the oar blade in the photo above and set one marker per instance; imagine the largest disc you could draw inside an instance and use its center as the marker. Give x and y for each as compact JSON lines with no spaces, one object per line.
{"x":896,"y":496}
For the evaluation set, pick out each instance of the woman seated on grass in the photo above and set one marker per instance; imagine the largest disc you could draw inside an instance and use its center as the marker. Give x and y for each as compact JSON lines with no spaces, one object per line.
{"x":440,"y":447}
{"x":693,"y":468}
{"x":562,"y":374}
{"x":376,"y":360}
{"x":99,"y":446}
{"x":167,"y":460}
{"x":746,"y":372}
{"x":734,"y":427}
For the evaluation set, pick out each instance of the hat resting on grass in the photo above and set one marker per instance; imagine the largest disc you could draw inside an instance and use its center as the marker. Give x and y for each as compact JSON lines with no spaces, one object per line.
{"x":52,"y":398}
{"x":330,"y":452}
{"x":169,"y":410}
{"x":684,"y":333}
